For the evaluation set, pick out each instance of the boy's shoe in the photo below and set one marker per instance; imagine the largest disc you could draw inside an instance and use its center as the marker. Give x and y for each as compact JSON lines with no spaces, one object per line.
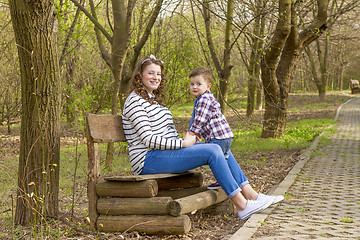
{"x":214,"y":186}
{"x":263,"y":197}
{"x":254,"y":206}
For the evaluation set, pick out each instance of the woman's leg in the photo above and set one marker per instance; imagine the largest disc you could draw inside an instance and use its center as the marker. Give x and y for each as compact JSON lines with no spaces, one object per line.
{"x":181,"y":160}
{"x":176,"y":161}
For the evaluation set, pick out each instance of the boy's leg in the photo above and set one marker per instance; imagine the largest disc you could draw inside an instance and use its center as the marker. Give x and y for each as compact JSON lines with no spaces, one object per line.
{"x":225,"y":145}
{"x":236,"y":171}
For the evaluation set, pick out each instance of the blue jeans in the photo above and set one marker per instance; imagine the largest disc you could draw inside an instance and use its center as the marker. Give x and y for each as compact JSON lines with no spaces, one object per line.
{"x":227,"y":172}
{"x":225,"y":145}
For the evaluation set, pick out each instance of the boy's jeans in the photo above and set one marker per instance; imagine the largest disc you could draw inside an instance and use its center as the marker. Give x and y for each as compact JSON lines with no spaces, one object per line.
{"x":228,"y":173}
{"x":225,"y":145}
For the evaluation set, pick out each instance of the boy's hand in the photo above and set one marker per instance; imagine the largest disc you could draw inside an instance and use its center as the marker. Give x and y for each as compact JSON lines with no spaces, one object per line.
{"x":198,"y":136}
{"x":188,"y":140}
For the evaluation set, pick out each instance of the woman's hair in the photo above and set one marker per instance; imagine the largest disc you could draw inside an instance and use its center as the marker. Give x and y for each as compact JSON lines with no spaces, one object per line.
{"x":137,"y":85}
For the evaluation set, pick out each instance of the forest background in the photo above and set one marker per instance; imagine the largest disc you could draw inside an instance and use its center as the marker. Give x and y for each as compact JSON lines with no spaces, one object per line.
{"x":231,"y":38}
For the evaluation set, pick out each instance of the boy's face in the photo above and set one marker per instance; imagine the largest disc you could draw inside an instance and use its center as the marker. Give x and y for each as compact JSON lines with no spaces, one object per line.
{"x":198,"y":85}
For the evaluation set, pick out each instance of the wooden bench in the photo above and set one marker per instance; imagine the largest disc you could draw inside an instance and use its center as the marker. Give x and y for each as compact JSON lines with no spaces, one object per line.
{"x":355,"y":86}
{"x":152,"y":204}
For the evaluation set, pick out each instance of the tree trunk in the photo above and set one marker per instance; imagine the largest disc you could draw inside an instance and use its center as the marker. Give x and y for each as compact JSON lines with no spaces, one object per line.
{"x":279,"y":60}
{"x":38,"y":183}
{"x":323,"y":59}
{"x":254,"y":83}
{"x":225,"y":70}
{"x":274,"y":117}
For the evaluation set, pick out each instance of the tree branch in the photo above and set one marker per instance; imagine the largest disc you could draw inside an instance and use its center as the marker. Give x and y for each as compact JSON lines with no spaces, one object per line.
{"x":104,"y":53}
{"x":315,"y":29}
{"x":140,"y":44}
{"x":93,"y":20}
{"x":206,"y":15}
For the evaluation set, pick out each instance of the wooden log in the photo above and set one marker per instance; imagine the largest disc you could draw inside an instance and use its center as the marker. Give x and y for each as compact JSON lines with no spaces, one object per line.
{"x":134,"y":178}
{"x":93,"y":176}
{"x":142,"y":189}
{"x":225,"y":207}
{"x":148,"y":224}
{"x":180,"y":193}
{"x":134,"y":206}
{"x":197,"y":201}
{"x":195,"y":179}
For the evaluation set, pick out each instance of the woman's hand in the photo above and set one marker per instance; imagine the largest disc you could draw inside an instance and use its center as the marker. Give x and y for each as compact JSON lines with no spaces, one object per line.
{"x":188,"y":140}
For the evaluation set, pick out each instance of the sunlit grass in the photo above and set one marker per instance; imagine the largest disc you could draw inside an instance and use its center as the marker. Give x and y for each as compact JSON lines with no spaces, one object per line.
{"x":298,"y":135}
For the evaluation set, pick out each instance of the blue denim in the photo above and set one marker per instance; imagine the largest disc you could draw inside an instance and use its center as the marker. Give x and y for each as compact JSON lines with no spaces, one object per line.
{"x":227,"y":172}
{"x":225,"y":145}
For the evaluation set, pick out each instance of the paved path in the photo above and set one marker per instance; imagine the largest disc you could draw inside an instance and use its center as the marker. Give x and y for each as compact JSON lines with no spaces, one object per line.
{"x":322,"y":199}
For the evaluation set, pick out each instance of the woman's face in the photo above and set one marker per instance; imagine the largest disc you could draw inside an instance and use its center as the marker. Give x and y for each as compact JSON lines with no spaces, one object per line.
{"x":151,"y":77}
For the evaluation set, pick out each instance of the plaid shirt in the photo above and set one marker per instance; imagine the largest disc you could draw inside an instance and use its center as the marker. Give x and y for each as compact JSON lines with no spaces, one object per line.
{"x":208,"y":119}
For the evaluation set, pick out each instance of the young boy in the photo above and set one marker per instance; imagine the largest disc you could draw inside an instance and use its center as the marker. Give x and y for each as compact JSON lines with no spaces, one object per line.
{"x":207,"y":121}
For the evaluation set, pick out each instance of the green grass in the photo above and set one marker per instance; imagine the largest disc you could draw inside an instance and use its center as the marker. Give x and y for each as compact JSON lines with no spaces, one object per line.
{"x":298,"y":135}
{"x":69,"y":162}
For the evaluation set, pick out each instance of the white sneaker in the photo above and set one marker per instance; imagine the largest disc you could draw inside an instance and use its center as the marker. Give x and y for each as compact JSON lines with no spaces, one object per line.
{"x":254,"y":206}
{"x":263,"y":197}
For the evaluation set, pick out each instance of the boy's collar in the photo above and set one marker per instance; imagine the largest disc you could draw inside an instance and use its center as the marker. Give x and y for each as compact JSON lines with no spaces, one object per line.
{"x":207,"y":91}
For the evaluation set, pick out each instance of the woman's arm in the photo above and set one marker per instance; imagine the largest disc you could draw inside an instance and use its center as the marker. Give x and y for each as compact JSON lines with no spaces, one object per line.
{"x":140,"y":122}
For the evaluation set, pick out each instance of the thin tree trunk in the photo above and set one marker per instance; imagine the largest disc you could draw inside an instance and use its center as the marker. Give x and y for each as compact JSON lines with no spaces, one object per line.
{"x":254,"y":100}
{"x":225,"y":70}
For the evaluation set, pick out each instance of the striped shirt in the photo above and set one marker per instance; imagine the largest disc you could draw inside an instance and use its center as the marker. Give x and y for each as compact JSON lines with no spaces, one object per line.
{"x":208,"y":119}
{"x":147,"y":127}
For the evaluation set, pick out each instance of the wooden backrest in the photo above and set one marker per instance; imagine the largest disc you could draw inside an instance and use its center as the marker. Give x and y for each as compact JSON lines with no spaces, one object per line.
{"x":105,"y":128}
{"x":354,"y":84}
{"x":99,"y":129}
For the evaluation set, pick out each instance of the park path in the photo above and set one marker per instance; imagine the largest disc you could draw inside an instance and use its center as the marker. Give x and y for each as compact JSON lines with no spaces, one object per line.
{"x":322,"y":195}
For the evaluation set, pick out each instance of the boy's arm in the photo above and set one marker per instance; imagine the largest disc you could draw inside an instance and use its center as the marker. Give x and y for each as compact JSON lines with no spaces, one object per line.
{"x":203,"y":113}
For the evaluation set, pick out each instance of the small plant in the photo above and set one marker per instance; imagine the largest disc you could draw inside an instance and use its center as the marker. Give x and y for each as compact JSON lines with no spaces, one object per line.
{"x":347,"y":220}
{"x":330,"y":223}
{"x":288,"y":196}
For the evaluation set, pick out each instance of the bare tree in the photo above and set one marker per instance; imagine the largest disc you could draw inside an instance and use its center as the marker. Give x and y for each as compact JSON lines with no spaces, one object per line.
{"x":337,"y":9}
{"x":122,"y":12}
{"x":223,"y":67}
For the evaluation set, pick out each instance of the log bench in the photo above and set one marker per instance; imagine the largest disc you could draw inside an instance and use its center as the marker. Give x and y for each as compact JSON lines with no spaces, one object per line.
{"x":355,"y":86}
{"x":151,"y":204}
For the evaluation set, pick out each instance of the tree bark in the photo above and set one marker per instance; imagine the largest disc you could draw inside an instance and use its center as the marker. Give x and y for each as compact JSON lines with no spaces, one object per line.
{"x":34,"y":24}
{"x":254,"y":83}
{"x":272,"y":126}
{"x":225,"y":70}
{"x":279,"y":61}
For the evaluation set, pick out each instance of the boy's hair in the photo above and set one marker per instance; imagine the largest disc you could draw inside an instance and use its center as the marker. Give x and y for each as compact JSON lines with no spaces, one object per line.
{"x":205,"y":73}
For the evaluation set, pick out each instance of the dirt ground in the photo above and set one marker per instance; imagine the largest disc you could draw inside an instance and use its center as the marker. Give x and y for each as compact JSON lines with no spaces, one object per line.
{"x":262,"y":175}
